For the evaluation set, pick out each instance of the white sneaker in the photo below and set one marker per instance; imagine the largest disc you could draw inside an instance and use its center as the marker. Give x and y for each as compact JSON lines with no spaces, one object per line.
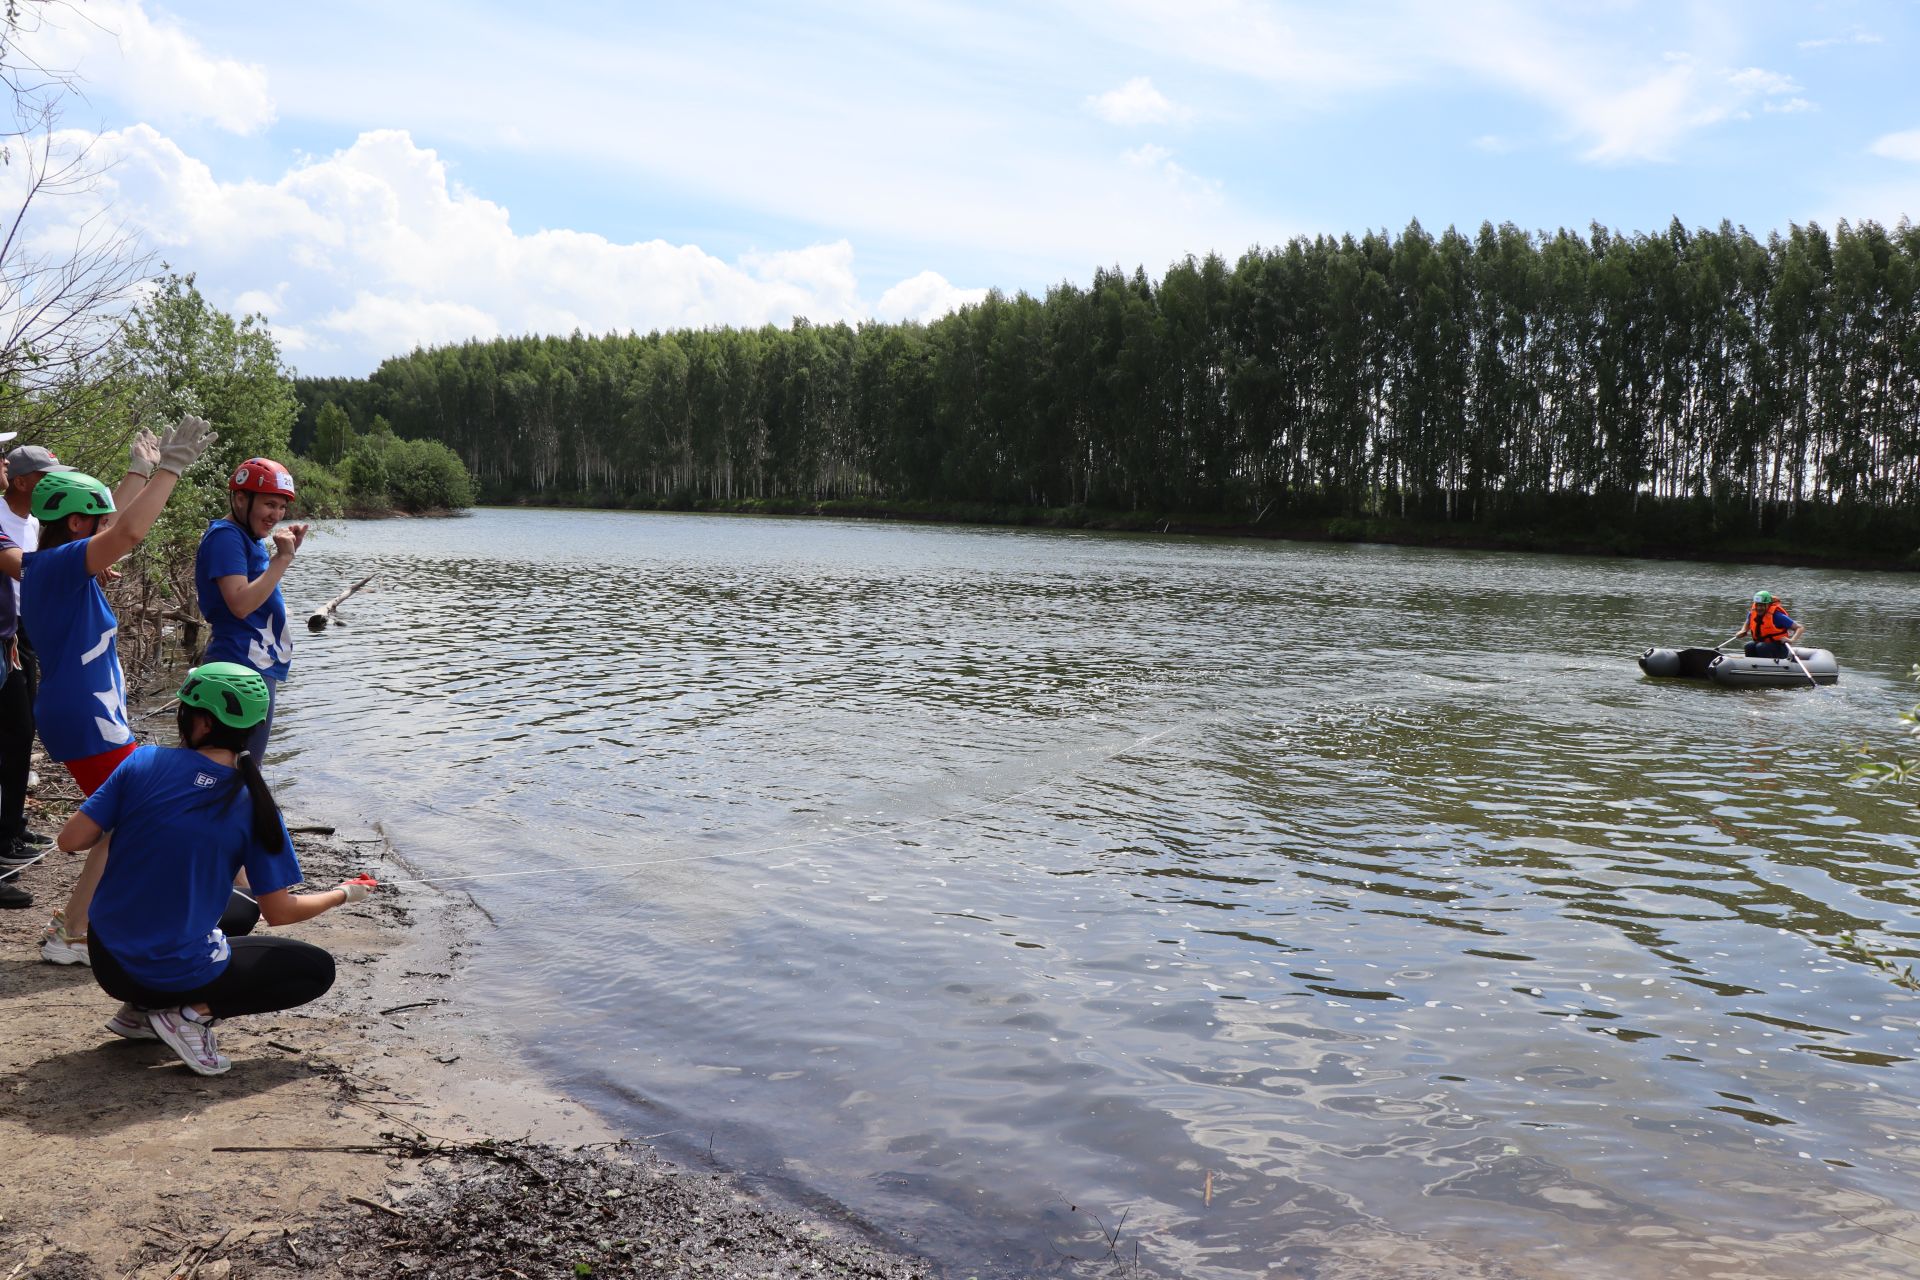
{"x":189,"y":1037}
{"x":58,"y":948}
{"x":130,"y":1022}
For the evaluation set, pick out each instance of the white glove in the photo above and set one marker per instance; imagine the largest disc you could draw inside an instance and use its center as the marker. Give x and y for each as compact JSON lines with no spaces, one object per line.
{"x":182,"y":446}
{"x":355,"y":891}
{"x":143,"y":452}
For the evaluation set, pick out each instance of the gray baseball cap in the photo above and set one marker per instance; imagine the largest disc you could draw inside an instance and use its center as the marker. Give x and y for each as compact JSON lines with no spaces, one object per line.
{"x":32,"y":459}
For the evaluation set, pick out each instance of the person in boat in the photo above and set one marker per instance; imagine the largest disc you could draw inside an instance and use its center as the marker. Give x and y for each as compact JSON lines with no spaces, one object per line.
{"x":1771,"y":632}
{"x":184,"y":821}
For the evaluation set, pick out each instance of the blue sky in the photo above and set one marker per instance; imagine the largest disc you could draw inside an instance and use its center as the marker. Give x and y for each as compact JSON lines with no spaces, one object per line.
{"x":375,"y":176}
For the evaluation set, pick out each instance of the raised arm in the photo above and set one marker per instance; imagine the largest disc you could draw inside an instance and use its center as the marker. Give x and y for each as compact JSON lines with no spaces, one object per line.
{"x":143,"y":455}
{"x":189,"y":438}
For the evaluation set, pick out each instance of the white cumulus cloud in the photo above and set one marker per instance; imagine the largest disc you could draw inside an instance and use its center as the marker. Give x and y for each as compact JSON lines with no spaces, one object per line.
{"x":374,"y":250}
{"x":1136,"y":102}
{"x":1898,"y":146}
{"x":152,"y":67}
{"x":925,"y":297}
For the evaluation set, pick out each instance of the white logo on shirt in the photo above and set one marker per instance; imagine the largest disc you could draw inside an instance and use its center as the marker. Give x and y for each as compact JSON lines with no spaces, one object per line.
{"x":204,"y":779}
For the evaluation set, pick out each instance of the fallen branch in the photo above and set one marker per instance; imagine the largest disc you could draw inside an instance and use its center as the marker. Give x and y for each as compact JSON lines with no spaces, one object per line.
{"x":319,"y":618}
{"x":165,"y":614}
{"x":374,"y":1204}
{"x":384,"y":1150}
{"x":417,"y":1004}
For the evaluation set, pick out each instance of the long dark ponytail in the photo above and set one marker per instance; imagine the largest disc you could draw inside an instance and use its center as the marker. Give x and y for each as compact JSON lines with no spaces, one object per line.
{"x":246,"y":770}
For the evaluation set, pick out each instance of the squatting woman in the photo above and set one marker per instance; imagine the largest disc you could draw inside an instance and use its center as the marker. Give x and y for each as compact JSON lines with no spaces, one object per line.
{"x":184,"y":822}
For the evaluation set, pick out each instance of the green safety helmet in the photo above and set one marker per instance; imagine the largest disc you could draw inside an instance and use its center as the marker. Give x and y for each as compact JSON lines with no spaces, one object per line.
{"x":1763,"y":597}
{"x":234,"y":695}
{"x":59,"y":494}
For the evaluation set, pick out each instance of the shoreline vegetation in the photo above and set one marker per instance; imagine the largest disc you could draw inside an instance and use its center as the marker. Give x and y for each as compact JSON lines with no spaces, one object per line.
{"x":1378,"y":531}
{"x":1673,"y":390}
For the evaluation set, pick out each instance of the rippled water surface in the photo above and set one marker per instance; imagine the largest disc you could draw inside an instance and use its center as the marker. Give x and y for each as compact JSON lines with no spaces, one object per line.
{"x":1265,"y":909}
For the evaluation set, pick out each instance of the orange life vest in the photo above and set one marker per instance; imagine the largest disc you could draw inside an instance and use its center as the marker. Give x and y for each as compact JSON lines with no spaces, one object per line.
{"x":1762,"y":623}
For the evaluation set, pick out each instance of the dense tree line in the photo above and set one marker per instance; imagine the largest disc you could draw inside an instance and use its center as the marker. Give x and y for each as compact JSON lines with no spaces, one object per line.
{"x":1499,"y":379}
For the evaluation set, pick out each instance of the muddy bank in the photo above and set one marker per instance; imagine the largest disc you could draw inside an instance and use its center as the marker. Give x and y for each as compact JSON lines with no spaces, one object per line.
{"x":379,"y":1131}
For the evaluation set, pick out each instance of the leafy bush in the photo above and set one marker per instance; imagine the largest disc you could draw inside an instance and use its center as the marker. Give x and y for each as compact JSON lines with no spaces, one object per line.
{"x":323,"y":494}
{"x":365,"y":472}
{"x":425,"y":475}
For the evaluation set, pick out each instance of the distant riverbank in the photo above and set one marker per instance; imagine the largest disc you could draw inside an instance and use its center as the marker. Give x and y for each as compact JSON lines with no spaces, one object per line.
{"x":1456,"y":536}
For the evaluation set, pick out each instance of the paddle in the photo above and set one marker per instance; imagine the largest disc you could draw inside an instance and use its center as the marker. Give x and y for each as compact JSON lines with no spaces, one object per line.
{"x":1795,"y":655}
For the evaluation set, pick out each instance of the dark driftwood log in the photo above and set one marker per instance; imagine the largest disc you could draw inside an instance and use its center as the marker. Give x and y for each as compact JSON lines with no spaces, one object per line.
{"x":319,"y":618}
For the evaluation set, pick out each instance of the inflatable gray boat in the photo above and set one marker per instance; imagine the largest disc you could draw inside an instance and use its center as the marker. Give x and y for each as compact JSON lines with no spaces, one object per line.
{"x":1740,"y":672}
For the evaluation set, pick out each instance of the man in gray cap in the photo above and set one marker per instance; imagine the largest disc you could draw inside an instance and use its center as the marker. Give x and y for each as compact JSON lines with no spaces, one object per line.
{"x":21,"y":471}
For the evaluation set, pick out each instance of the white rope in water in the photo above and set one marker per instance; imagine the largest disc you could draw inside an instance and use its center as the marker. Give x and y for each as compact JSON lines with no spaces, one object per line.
{"x":890,"y":832}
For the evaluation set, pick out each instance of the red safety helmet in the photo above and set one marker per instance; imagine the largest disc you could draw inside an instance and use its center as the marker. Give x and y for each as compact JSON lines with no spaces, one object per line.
{"x":262,"y":475}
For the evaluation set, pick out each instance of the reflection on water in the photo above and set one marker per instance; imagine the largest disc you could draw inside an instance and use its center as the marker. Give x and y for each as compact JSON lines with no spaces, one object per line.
{"x":1324,"y":911}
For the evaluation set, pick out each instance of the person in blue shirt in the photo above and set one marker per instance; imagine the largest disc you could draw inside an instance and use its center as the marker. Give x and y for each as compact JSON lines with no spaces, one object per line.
{"x":80,"y":707}
{"x":184,"y":822}
{"x":237,"y":579}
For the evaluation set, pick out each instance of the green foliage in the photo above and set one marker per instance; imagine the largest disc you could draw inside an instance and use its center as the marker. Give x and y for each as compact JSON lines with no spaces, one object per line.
{"x":1900,"y":769}
{"x":365,"y":471}
{"x":176,"y":354}
{"x":1852,"y":948}
{"x":425,"y":475}
{"x":385,"y":472}
{"x":1666,"y":390}
{"x":333,"y":436}
{"x":185,"y":356}
{"x":323,"y":494}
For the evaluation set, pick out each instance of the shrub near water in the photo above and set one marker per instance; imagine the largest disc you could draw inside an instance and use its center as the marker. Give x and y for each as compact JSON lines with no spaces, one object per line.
{"x":383,"y":473}
{"x":323,"y":494}
{"x":425,"y":475}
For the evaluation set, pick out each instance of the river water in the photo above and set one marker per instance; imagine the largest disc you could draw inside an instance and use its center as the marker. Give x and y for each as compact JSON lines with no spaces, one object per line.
{"x":1222,"y":908}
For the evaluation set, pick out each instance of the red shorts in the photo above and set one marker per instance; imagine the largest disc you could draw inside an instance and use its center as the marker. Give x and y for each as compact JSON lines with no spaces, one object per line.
{"x":91,"y":771}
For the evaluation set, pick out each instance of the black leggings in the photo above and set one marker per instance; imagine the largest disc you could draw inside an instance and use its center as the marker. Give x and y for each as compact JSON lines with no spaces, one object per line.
{"x":16,"y":736}
{"x":263,"y":975}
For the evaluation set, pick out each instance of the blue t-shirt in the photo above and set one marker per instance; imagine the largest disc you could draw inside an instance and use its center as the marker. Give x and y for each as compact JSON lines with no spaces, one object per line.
{"x":261,"y":639}
{"x":182,"y":829}
{"x":82,"y":707}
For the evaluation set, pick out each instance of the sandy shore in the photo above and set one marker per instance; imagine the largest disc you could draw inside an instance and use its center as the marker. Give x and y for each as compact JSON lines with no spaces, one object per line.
{"x":375,"y":1132}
